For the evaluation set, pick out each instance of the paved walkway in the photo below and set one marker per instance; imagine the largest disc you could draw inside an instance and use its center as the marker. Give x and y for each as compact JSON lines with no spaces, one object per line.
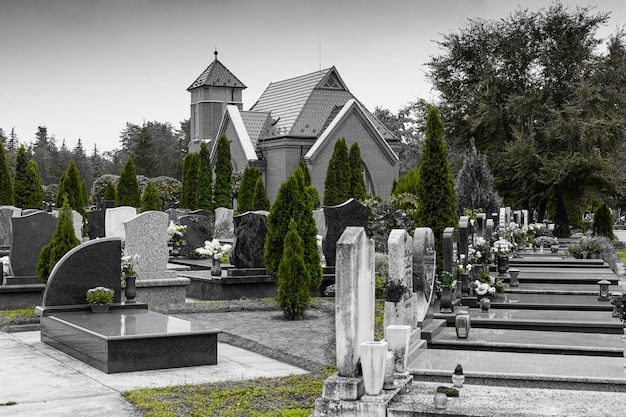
{"x":44,"y":381}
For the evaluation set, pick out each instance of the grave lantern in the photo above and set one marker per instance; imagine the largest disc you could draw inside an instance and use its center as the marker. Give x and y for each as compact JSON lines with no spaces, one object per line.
{"x":604,"y":290}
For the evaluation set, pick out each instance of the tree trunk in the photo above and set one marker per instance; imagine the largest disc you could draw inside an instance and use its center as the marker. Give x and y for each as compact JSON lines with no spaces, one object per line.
{"x":542,"y":210}
{"x":561,"y":222}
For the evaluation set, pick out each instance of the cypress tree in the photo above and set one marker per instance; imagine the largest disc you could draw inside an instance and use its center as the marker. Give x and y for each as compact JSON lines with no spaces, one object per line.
{"x":305,"y":171}
{"x":222,"y":195}
{"x":70,"y":187}
{"x":150,"y":199}
{"x":474,"y":185}
{"x":63,"y":240}
{"x":337,"y":184}
{"x":603,"y":221}
{"x":357,"y":182}
{"x":204,"y":194}
{"x":6,"y":185}
{"x":27,"y":187}
{"x":245,"y":197}
{"x":310,"y":188}
{"x":435,"y":187}
{"x":189,"y":191}
{"x":293,"y":280}
{"x":109,"y":191}
{"x":260,"y":200}
{"x":128,"y":193}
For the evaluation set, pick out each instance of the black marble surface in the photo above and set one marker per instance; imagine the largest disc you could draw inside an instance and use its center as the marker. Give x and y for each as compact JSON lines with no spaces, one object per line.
{"x":250,"y":232}
{"x":350,"y":213}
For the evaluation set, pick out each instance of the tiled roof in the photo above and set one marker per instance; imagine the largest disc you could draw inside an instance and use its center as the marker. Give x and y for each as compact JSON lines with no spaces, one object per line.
{"x":216,"y":75}
{"x":258,"y":125}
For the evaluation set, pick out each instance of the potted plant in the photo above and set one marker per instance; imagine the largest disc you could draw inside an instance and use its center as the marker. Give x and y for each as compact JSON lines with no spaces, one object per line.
{"x":129,"y":276}
{"x":447,"y":283}
{"x":99,"y":299}
{"x":216,"y":252}
{"x":485,"y":287}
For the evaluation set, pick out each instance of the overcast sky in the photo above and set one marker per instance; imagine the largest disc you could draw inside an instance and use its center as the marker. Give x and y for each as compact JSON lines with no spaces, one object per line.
{"x":84,"y":68}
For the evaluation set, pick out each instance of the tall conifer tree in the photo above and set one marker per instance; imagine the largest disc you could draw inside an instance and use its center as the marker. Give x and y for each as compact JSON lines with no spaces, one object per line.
{"x":293,"y":278}
{"x":357,"y":182}
{"x":70,"y":185}
{"x":222,"y":195}
{"x":245,"y":198}
{"x":128,"y":193}
{"x":260,"y":200}
{"x":189,"y":192}
{"x":204,"y":192}
{"x":6,"y":185}
{"x":337,"y":184}
{"x":150,"y":199}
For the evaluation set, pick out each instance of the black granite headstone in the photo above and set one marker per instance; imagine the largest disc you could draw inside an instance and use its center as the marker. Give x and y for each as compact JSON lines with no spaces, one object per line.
{"x":30,"y":234}
{"x":176,"y":214}
{"x":250,"y":231}
{"x":93,"y":264}
{"x":199,"y":230}
{"x":95,"y":224}
{"x":350,"y":213}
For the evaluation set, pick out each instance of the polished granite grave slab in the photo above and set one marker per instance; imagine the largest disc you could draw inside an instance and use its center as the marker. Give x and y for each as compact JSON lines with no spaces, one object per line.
{"x":125,"y":340}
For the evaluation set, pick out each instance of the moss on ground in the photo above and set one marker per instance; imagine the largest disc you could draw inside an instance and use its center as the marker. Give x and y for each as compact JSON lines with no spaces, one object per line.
{"x":17,"y":317}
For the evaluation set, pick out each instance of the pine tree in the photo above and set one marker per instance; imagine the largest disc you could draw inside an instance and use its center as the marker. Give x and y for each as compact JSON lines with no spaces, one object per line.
{"x":260,"y":200}
{"x":128,"y":193}
{"x":435,"y":187}
{"x":204,"y":193}
{"x":63,"y":240}
{"x":603,"y":221}
{"x":189,"y":191}
{"x":310,"y":188}
{"x":474,"y":185}
{"x":109,"y":191}
{"x":357,"y":182}
{"x":150,"y":199}
{"x":20,"y":181}
{"x":337,"y":184}
{"x":293,"y":280}
{"x":70,"y":187}
{"x":305,"y":171}
{"x":246,"y":189}
{"x":6,"y":185}
{"x":35,"y":190}
{"x":222,"y":195}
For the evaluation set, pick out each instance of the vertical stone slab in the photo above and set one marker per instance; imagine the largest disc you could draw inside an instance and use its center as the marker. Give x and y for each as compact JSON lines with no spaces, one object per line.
{"x":146,"y":235}
{"x":354,"y":298}
{"x":95,"y":223}
{"x":525,"y":220}
{"x":175,"y":214}
{"x":6,"y":233}
{"x":464,"y":234}
{"x":338,"y":218}
{"x":400,"y":310}
{"x":449,"y":249}
{"x":502,"y":221}
{"x":517,"y":217}
{"x":508,"y":215}
{"x":489,"y":229}
{"x":77,"y":221}
{"x":320,"y":222}
{"x":114,"y":219}
{"x":92,"y":264}
{"x":481,"y":223}
{"x":249,"y":245}
{"x":224,"y":226}
{"x":424,"y":269}
{"x":30,"y":234}
{"x":199,"y":230}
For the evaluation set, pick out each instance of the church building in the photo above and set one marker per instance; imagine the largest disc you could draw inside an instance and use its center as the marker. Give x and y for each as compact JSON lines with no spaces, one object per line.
{"x":297,"y":118}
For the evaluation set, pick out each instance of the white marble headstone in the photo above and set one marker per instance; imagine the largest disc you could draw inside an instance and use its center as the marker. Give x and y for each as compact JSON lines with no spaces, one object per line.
{"x":114,"y":219}
{"x":146,"y":235}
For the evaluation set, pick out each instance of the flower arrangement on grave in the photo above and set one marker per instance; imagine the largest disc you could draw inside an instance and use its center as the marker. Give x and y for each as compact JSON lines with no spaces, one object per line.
{"x":175,"y":233}
{"x":487,"y":285}
{"x":100,"y":295}
{"x":214,"y":249}
{"x":128,"y":264}
{"x":545,"y":241}
{"x":502,"y":248}
{"x":446,"y":280}
{"x":462,"y":266}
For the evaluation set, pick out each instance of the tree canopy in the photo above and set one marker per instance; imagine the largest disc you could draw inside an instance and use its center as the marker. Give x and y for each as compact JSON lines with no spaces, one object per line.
{"x":536,"y":95}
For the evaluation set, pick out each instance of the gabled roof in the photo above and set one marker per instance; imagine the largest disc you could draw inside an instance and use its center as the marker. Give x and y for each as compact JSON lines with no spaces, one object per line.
{"x":233,"y":116}
{"x":216,"y":75}
{"x":258,"y":125}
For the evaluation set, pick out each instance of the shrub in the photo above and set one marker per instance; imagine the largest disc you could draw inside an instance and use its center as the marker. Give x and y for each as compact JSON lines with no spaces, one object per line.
{"x":382,"y":219}
{"x":27,"y":189}
{"x":204,"y":191}
{"x":189,"y":192}
{"x":603,"y":221}
{"x":245,"y":198}
{"x":357,"y":183}
{"x":595,"y":247}
{"x":6,"y":185}
{"x":260,"y":200}
{"x":109,"y":191}
{"x":70,"y":186}
{"x":168,"y":189}
{"x":293,"y":277}
{"x":128,"y":192}
{"x":150,"y":199}
{"x":337,"y":183}
{"x":222,"y":195}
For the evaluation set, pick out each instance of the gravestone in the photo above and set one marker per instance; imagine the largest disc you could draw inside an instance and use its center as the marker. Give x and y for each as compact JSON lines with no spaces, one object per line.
{"x":201,"y":212}
{"x":224,"y":226}
{"x":146,"y":236}
{"x":517,"y":217}
{"x":30,"y":234}
{"x":95,"y":223}
{"x":175,"y":214}
{"x":249,"y":245}
{"x":524,"y":217}
{"x":354,"y":298}
{"x":449,"y":249}
{"x":400,"y":310}
{"x":337,"y":219}
{"x":320,"y":222}
{"x":502,"y":220}
{"x":77,"y":221}
{"x":464,"y":234}
{"x":481,"y":220}
{"x":95,"y":263}
{"x":6,"y":234}
{"x":508,"y":215}
{"x":489,"y":229}
{"x":114,"y":219}
{"x":199,"y":230}
{"x":424,"y":269}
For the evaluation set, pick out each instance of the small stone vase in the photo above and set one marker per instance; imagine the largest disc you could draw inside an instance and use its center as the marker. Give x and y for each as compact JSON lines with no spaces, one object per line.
{"x":373,"y":356}
{"x":216,"y":268}
{"x":130,"y":292}
{"x":485,"y":304}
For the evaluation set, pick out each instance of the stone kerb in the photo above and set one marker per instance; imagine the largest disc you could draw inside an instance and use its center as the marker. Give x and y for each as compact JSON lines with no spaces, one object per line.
{"x":92,"y":264}
{"x":400,"y":311}
{"x":249,"y":244}
{"x":146,"y":236}
{"x":30,"y":234}
{"x":114,"y":219}
{"x":354,"y":298}
{"x":449,"y":249}
{"x":424,"y":270}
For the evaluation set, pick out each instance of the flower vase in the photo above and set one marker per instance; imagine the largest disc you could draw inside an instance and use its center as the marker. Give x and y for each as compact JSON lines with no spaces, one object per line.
{"x":373,"y":355}
{"x":445,"y":303}
{"x":397,"y":336}
{"x":503,"y":265}
{"x":130,"y":292}
{"x":514,"y":273}
{"x":175,"y":251}
{"x":99,"y":308}
{"x":465,"y":283}
{"x":485,"y":304}
{"x":216,"y":268}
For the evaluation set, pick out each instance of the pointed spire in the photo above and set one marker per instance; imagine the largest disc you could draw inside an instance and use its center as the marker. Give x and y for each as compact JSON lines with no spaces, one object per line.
{"x":215,"y":53}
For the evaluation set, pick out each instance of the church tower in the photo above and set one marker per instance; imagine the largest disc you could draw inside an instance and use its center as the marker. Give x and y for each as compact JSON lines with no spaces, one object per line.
{"x":211,"y":92}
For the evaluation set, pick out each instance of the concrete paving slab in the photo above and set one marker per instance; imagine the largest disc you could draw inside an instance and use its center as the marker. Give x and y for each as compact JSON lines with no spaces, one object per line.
{"x":38,"y":377}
